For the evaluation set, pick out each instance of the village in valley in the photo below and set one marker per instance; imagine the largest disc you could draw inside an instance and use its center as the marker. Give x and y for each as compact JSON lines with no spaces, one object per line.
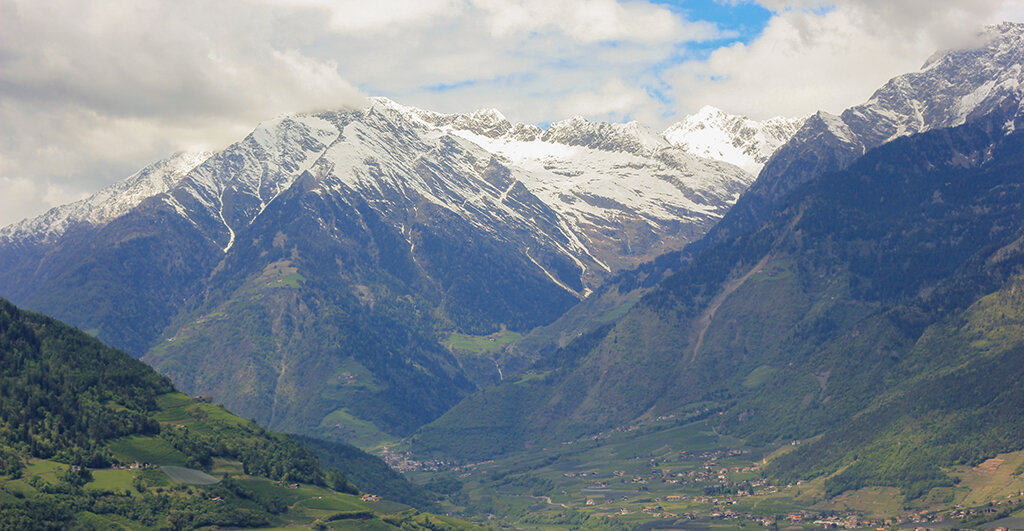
{"x":684,"y":475}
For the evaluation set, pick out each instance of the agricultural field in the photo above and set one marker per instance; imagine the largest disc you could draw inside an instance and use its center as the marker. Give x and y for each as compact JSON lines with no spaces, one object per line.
{"x":357,"y":432}
{"x":111,"y":480}
{"x":146,"y":450}
{"x":481,"y":344}
{"x":188,"y":476}
{"x":280,"y":275}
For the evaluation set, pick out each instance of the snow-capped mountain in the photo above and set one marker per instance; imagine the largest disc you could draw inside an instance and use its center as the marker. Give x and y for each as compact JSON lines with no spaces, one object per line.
{"x":610,"y":195}
{"x":107,"y":204}
{"x":738,"y":140}
{"x":605,"y":196}
{"x":952,"y":87}
{"x":302,"y":274}
{"x":926,"y":226}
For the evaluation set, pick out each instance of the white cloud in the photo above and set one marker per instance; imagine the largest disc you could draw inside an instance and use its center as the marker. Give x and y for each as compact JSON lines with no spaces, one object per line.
{"x":580,"y":20}
{"x":591,"y":21}
{"x":360,"y":16}
{"x":612,"y":101}
{"x":814,"y":55}
{"x":20,"y":198}
{"x":90,"y":91}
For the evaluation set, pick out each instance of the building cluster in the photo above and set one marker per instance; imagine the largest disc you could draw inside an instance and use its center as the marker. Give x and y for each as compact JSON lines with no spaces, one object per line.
{"x":960,"y":513}
{"x":404,"y":462}
{"x":134,"y":465}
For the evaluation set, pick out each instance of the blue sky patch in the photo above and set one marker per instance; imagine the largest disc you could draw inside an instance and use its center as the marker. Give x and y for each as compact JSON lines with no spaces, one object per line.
{"x":744,"y":20}
{"x":444,"y":87}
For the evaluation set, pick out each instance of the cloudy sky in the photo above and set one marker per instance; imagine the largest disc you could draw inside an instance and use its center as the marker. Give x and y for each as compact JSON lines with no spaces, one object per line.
{"x":90,"y":91}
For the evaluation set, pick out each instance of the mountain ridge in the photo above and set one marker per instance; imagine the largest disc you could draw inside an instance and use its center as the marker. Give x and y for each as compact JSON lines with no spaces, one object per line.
{"x":747,"y":143}
{"x":223,"y":208}
{"x":107,"y":204}
{"x":951,"y":87}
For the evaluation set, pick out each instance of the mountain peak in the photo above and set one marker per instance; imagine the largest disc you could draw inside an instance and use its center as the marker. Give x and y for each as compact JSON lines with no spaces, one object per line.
{"x":1006,"y":30}
{"x":388,"y":103}
{"x":740,"y":141}
{"x":632,"y":137}
{"x":487,"y":115}
{"x":715,"y":134}
{"x":709,"y":111}
{"x":952,"y":87}
{"x":490,"y":122}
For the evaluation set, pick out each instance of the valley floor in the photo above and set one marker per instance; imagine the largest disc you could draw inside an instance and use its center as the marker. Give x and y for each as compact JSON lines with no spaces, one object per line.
{"x":673,"y":474}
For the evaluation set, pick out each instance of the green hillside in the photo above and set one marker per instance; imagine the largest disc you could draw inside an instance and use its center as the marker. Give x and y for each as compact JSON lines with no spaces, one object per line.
{"x":92,"y":439}
{"x":362,"y":468}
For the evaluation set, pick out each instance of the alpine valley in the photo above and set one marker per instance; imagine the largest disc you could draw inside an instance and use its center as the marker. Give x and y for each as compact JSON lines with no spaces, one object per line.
{"x":846,"y":343}
{"x":314,"y":275}
{"x":812,"y":322}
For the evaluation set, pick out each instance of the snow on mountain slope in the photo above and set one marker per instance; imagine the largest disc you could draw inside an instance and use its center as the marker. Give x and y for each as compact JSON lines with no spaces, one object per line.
{"x":622,"y":191}
{"x":629,"y":207}
{"x":107,"y":204}
{"x":738,"y":140}
{"x":631,"y":137}
{"x":232,"y":187}
{"x":395,"y":164}
{"x":951,"y":88}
